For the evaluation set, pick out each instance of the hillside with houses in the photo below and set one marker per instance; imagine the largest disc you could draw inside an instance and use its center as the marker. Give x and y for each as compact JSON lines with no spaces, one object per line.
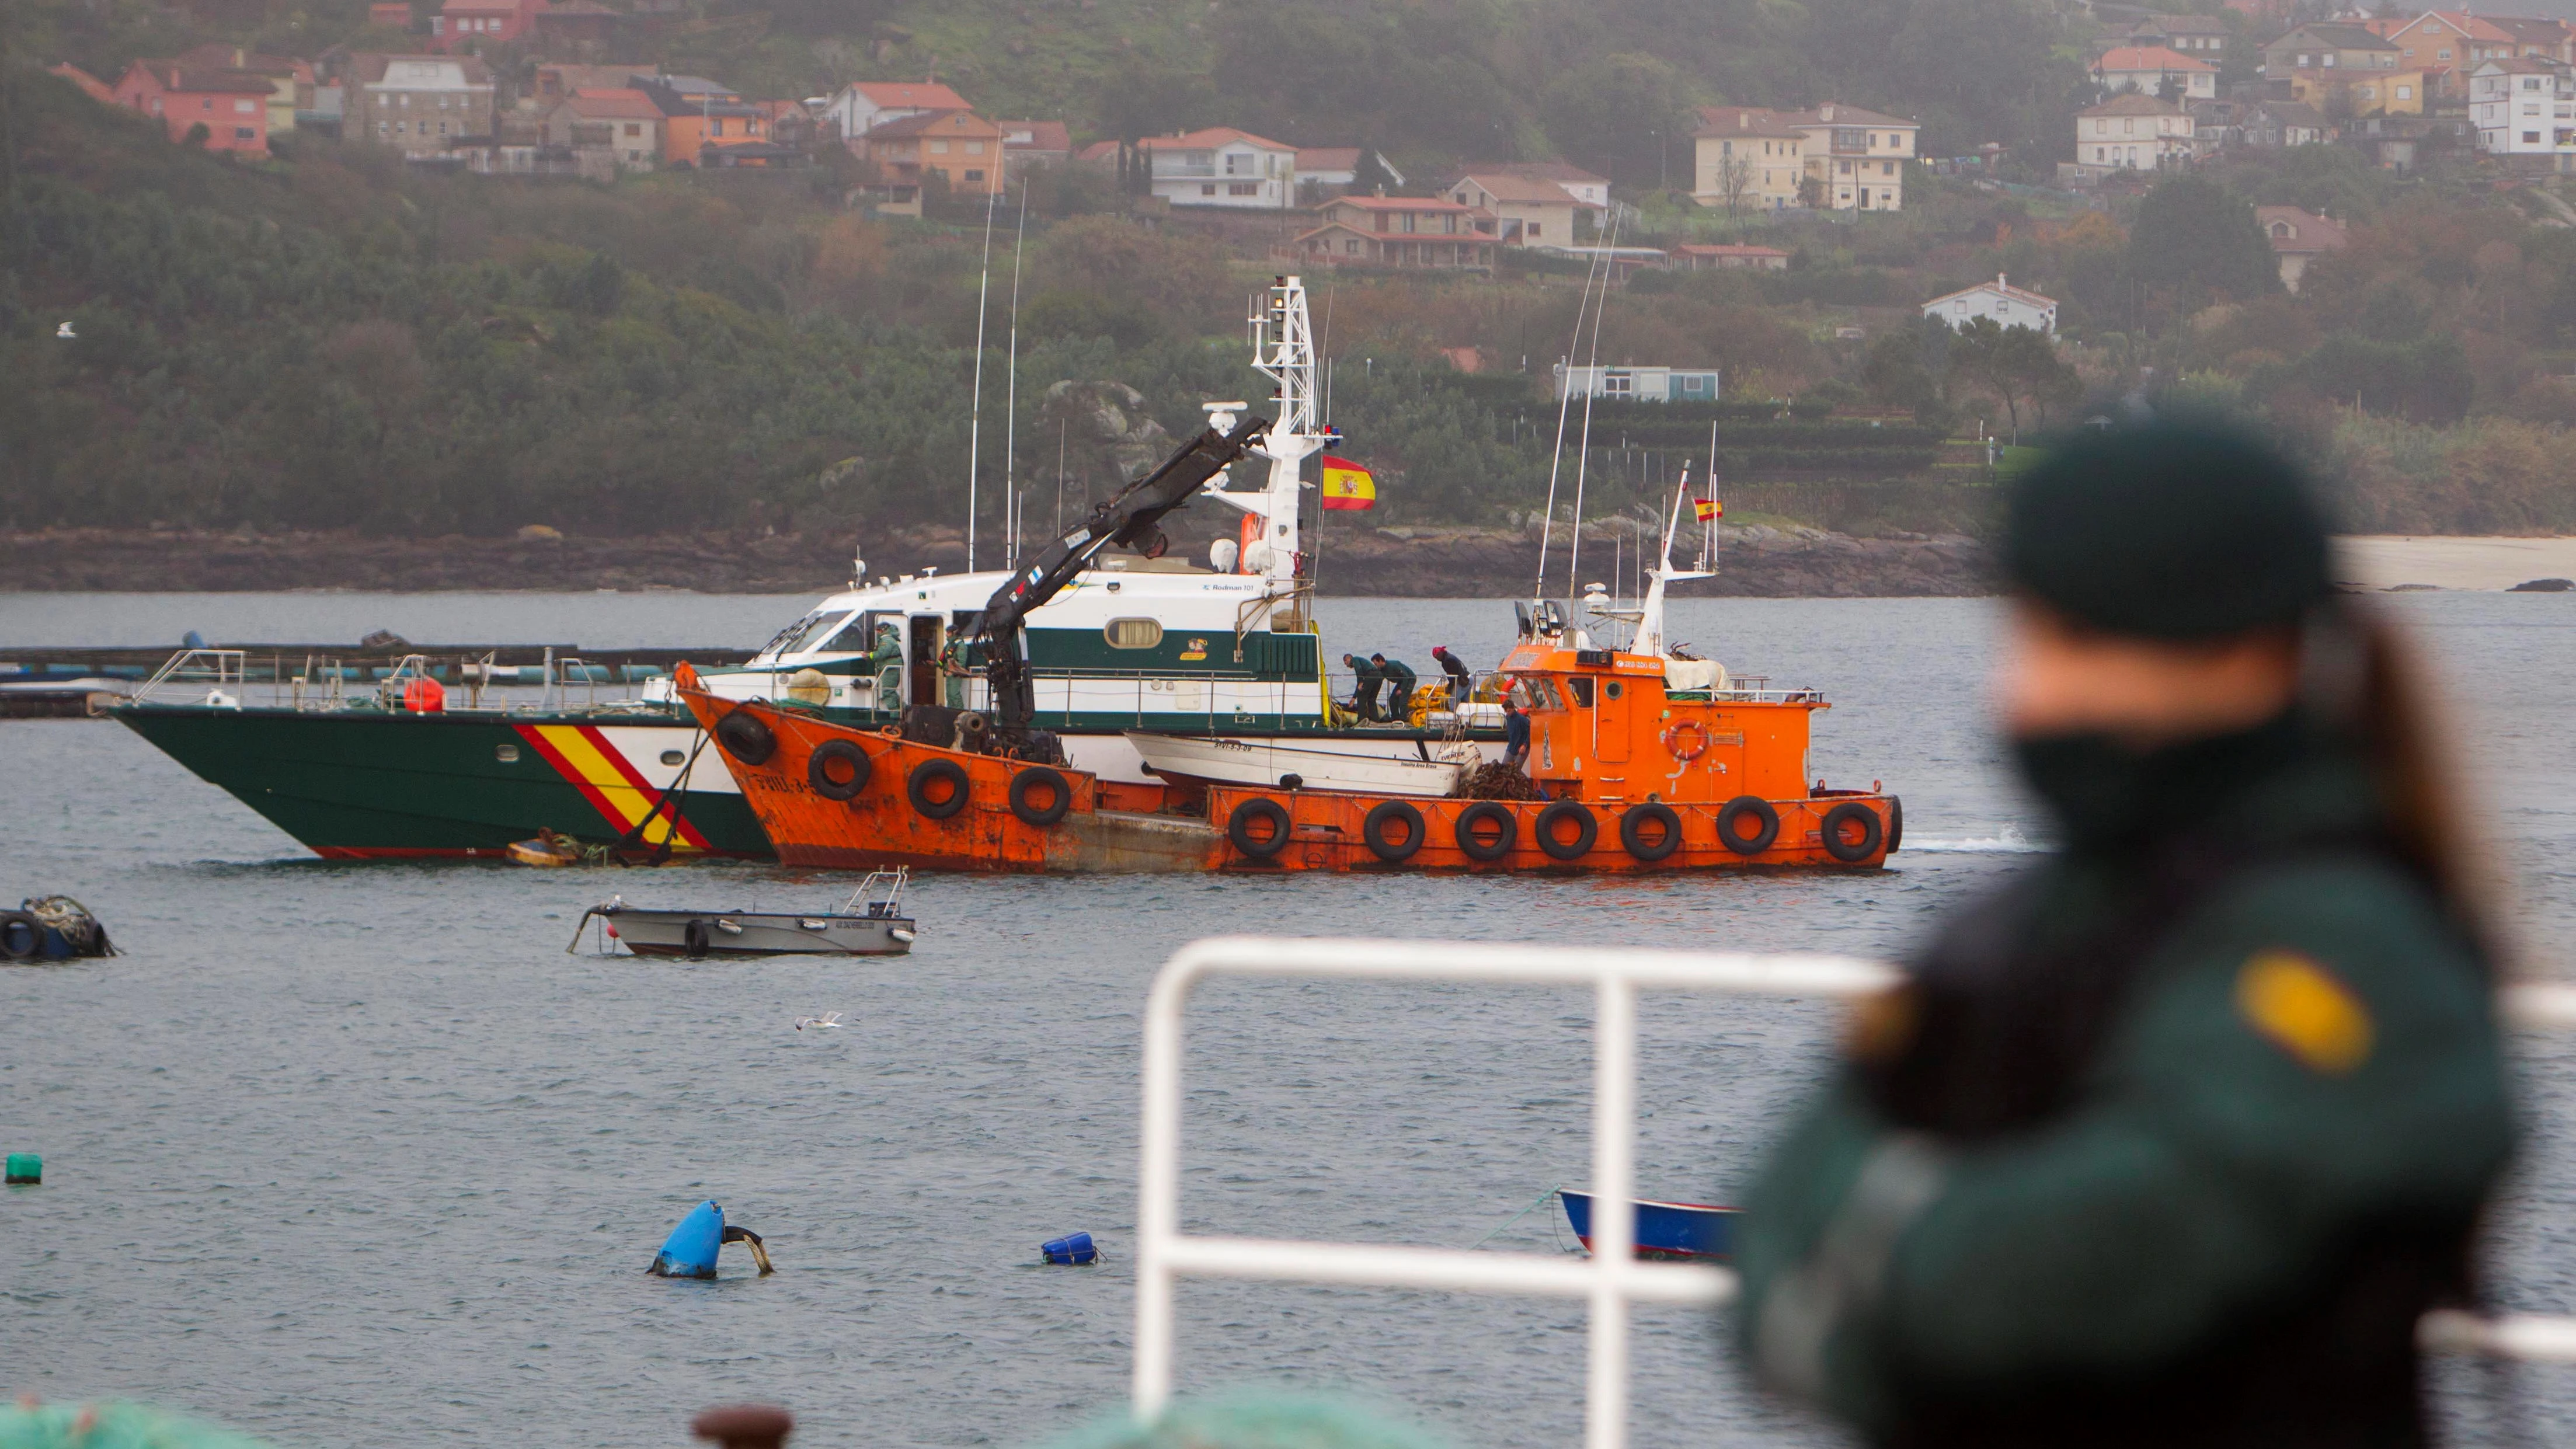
{"x":465,"y":267}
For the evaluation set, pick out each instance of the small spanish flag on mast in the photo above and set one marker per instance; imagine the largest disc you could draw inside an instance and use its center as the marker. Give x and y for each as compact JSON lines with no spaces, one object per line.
{"x":1708,"y":508}
{"x":1347,"y":485}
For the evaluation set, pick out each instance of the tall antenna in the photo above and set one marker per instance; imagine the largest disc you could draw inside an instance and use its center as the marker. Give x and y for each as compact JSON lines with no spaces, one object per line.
{"x":1564,"y":400}
{"x":975,"y":433}
{"x":1011,"y":404}
{"x":1591,"y":390}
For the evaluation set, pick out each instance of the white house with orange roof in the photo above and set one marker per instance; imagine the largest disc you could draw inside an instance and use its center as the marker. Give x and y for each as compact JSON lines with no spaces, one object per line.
{"x":1221,"y":166}
{"x":1527,"y":212}
{"x":862,"y":106}
{"x":2008,"y":305}
{"x":2147,"y":69}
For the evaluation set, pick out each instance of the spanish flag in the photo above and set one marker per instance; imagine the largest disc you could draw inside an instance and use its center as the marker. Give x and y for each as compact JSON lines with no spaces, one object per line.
{"x":1708,"y":508}
{"x":1347,"y":485}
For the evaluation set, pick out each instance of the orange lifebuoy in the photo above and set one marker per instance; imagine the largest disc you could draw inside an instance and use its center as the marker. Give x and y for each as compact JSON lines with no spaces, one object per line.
{"x":1698,"y":735}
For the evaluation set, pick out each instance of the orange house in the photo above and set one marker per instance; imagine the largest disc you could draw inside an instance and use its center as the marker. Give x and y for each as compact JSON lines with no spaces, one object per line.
{"x":963,"y":148}
{"x":231,"y":104}
{"x":697,"y":113}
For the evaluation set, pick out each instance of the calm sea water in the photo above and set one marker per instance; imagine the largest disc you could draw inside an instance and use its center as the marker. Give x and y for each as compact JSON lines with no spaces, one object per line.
{"x":356,"y":1155}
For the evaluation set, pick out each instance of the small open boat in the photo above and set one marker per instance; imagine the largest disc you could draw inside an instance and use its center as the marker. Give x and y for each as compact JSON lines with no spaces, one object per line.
{"x":871,"y":923}
{"x":1665,"y":1230}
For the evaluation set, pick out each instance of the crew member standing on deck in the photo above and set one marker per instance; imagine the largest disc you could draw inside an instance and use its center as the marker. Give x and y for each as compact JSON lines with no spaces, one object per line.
{"x":2173,"y":1140}
{"x":886,"y":661}
{"x":1461,"y":682}
{"x":1399,"y":686}
{"x":1370,"y":679}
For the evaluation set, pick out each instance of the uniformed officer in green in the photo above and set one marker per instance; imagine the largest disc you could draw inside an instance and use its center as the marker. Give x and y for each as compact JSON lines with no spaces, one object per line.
{"x":1370,"y":677}
{"x":886,"y":660}
{"x":2172,"y":1141}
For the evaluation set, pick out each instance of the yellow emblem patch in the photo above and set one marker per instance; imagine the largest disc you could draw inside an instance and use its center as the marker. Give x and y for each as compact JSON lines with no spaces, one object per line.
{"x":2305,"y":1011}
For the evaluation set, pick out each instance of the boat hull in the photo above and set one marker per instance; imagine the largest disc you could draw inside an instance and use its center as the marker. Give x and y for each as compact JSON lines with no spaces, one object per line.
{"x":372,"y":785}
{"x":884,"y":824}
{"x":756,"y":933}
{"x":1672,"y":1231}
{"x":1401,"y":765}
{"x":1329,"y":830}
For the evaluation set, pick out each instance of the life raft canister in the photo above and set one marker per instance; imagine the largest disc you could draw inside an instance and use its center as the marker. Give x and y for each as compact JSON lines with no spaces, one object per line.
{"x":424,"y":695}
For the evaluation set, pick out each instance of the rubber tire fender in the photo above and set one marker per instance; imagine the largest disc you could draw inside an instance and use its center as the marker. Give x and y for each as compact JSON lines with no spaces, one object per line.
{"x":1477,"y":814}
{"x":746,"y":738}
{"x":1581,"y":845}
{"x":1872,"y":831}
{"x":916,"y":788}
{"x":1029,"y":781}
{"x":693,"y":940}
{"x":1736,"y":809}
{"x":1373,"y":831}
{"x":1238,"y":827}
{"x":1632,"y":835}
{"x":820,"y":778}
{"x":1895,"y":824}
{"x":22,"y":936}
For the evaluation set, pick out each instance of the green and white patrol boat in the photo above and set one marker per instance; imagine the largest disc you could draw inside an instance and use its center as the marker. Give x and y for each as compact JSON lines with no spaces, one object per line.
{"x":1138,"y":649}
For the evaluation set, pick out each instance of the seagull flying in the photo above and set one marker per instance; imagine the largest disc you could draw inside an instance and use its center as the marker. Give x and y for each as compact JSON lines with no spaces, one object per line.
{"x":826,"y":1021}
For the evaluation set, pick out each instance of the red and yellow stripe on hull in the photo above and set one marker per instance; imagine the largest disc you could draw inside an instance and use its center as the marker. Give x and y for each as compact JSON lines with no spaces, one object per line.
{"x":586,"y":759}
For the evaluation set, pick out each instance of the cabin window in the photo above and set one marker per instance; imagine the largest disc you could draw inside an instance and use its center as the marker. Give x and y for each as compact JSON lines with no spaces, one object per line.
{"x":814,"y":630}
{"x":1613,"y":688}
{"x":1134,"y":633}
{"x":1581,"y":689}
{"x":506,"y":754}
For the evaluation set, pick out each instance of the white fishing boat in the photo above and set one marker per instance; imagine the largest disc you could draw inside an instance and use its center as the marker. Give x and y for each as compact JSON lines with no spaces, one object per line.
{"x":1350,"y":761}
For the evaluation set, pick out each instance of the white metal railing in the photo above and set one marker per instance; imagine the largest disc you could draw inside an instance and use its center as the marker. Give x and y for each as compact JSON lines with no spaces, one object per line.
{"x":1611,"y":1278}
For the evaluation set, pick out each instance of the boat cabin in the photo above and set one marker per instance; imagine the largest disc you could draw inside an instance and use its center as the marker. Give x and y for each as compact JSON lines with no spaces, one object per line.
{"x":1610,"y":727}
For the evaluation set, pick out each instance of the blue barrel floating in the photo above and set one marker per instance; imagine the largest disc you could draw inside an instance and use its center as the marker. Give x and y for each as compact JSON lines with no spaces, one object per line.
{"x":690,"y":1251}
{"x":1067,"y":1251}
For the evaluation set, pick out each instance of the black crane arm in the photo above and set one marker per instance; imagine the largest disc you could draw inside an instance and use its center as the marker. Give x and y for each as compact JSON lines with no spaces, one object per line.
{"x":1125,"y":520}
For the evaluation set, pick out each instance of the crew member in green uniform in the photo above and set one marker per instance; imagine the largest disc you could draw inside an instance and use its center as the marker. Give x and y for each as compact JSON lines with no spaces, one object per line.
{"x":887,"y":660}
{"x":1400,"y":680}
{"x":2170,"y":1142}
{"x":1369,"y":678}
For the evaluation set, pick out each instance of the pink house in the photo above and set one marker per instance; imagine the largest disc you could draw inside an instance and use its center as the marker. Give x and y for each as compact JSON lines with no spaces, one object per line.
{"x":493,"y":22}
{"x":231,"y":104}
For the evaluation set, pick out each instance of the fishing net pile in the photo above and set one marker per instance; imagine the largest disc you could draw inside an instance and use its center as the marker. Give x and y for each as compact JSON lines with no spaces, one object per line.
{"x":1494,"y":780}
{"x":1254,"y":1422}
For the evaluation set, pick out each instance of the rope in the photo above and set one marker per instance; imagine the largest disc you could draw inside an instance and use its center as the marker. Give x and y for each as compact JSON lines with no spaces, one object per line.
{"x":1516,"y":1217}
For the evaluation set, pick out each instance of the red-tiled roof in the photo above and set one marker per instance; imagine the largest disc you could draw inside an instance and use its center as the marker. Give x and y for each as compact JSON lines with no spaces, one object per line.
{"x":2150,"y":57}
{"x":911,"y":95}
{"x":1727,"y":249}
{"x":1042,"y":135}
{"x":1729,"y":121}
{"x":1523,"y":189}
{"x":1328,"y":158}
{"x":171,"y":76}
{"x":614,"y":105}
{"x":1209,"y":139}
{"x":921,"y":123}
{"x":1404,"y":203}
{"x":2309,"y":231}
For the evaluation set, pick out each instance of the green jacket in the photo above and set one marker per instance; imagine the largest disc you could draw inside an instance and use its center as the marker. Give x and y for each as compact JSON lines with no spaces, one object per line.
{"x":1399,"y":678}
{"x":888,"y":653}
{"x":2305,"y":1068}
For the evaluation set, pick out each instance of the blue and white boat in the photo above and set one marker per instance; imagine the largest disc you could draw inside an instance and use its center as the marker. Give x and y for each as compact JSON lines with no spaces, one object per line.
{"x":1691,"y":1231}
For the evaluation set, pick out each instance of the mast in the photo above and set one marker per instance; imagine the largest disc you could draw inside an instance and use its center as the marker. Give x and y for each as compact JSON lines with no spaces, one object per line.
{"x":1283,"y":350}
{"x":1011,"y":403}
{"x":1650,"y":613}
{"x":975,"y":426}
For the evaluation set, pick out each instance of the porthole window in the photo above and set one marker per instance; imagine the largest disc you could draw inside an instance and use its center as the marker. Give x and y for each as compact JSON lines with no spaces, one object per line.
{"x":1134,"y":633}
{"x":1612,"y":689}
{"x":506,"y":754}
{"x":673,"y":757}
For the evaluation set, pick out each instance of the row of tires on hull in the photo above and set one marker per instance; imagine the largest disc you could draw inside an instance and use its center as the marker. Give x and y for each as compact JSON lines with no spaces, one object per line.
{"x":1487,"y":831}
{"x":937,"y":788}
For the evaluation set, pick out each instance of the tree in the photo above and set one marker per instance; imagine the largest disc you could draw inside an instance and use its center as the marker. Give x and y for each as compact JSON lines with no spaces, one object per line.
{"x":2195,"y":236}
{"x":2017,"y":364}
{"x":1734,"y":179}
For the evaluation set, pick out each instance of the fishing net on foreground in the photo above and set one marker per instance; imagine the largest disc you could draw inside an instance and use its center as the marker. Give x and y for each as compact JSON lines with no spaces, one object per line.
{"x":109,"y":1426}
{"x":1494,"y":780}
{"x":1251,"y":1422}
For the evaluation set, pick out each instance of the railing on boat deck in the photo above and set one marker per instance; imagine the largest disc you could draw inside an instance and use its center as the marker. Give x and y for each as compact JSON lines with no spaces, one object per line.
{"x":1612,"y":1278}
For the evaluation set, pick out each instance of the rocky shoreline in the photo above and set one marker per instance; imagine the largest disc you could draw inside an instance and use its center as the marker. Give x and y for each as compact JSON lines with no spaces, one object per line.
{"x":1757,"y":561}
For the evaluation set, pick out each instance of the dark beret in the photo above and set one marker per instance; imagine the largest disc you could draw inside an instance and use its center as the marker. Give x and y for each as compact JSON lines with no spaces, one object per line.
{"x":2167,"y":531}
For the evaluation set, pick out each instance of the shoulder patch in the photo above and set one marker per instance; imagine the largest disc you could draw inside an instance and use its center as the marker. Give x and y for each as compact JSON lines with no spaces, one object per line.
{"x":2305,"y":1011}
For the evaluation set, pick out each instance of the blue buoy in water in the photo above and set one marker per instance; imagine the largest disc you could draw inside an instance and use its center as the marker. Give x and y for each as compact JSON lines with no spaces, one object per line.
{"x":690,"y":1251}
{"x":1067,"y":1251}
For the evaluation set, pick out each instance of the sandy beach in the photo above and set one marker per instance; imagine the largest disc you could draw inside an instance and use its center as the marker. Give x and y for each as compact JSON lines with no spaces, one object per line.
{"x":2385,"y":561}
